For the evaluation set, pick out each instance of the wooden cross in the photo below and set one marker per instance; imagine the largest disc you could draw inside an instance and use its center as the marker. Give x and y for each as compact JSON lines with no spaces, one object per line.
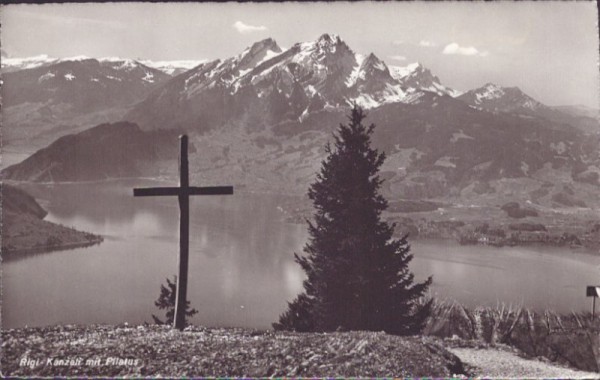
{"x":183,"y":192}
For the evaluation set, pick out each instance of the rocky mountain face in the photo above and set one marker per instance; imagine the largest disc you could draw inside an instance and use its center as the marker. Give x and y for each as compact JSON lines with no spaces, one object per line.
{"x":264,"y":84}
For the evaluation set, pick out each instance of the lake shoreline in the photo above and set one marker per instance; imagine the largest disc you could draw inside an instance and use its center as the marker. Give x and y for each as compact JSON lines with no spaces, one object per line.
{"x":12,"y":254}
{"x":296,"y":210}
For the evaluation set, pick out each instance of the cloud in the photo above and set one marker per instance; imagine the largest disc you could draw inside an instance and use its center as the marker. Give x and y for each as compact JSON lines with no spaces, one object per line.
{"x":454,"y":48}
{"x":245,"y":28}
{"x":425,"y":43}
{"x":398,"y":57}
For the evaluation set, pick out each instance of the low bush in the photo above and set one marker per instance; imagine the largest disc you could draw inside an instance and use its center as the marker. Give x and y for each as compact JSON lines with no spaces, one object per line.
{"x":572,"y":339}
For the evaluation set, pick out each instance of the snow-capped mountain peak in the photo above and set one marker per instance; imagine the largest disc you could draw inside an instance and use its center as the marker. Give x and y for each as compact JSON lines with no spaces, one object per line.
{"x":401,"y":72}
{"x":329,"y":42}
{"x":373,"y":72}
{"x":258,"y":53}
{"x":15,"y":64}
{"x":307,"y":77}
{"x":173,"y":67}
{"x":489,"y":91}
{"x":416,"y":76}
{"x":325,"y":48}
{"x":375,"y":63}
{"x":493,"y":97}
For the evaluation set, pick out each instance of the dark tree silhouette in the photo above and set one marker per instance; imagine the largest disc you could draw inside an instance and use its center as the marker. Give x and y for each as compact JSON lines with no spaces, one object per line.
{"x":357,"y":274}
{"x":166,"y":301}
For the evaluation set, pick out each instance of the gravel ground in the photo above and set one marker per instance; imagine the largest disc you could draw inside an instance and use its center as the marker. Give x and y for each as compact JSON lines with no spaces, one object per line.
{"x":158,"y":351}
{"x":495,"y":363}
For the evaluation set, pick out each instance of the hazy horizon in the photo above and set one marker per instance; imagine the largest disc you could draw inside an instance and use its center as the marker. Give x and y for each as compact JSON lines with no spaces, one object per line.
{"x":548,"y":49}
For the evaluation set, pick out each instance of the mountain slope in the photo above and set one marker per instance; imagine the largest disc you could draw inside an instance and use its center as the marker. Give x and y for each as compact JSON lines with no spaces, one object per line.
{"x":494,"y":98}
{"x":579,"y":111}
{"x":105,"y":151}
{"x":85,"y":85}
{"x":65,"y":96}
{"x":437,"y":147}
{"x":23,"y":227}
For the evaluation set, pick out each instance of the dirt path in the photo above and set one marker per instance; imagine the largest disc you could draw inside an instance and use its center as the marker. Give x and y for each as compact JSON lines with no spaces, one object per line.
{"x":498,"y":363}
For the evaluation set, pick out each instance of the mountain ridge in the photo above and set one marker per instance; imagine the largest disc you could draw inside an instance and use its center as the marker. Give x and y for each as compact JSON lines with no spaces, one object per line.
{"x":439,"y":144}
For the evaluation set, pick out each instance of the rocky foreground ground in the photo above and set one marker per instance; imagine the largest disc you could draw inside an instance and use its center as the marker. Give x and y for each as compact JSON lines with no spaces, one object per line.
{"x":158,"y":351}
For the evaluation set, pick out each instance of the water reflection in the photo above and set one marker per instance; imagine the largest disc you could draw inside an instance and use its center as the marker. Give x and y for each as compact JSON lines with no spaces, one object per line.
{"x":239,"y":248}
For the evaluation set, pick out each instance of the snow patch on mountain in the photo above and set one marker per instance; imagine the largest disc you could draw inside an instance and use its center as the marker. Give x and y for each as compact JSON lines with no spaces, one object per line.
{"x":460,"y":135}
{"x":489,"y":91}
{"x":356,"y":72}
{"x":173,"y":67}
{"x":365,"y":101}
{"x":495,"y":98}
{"x":417,"y":76}
{"x":47,"y":76}
{"x":168,"y":67}
{"x":268,"y":55}
{"x":14,"y":64}
{"x":400,"y":72}
{"x":149,"y":77}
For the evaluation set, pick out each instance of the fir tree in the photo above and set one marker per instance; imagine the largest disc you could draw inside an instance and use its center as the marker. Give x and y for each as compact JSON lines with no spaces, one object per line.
{"x":166,"y":300}
{"x":357,"y":274}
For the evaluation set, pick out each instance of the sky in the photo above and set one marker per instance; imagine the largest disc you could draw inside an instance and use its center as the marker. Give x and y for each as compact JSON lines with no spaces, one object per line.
{"x":548,"y":49}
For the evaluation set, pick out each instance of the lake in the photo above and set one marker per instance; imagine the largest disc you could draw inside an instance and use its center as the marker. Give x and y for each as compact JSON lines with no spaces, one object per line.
{"x":242,"y":271}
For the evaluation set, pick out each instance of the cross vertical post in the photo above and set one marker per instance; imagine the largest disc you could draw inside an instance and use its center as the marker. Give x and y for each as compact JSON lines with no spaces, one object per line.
{"x":183,"y":193}
{"x":184,"y":235}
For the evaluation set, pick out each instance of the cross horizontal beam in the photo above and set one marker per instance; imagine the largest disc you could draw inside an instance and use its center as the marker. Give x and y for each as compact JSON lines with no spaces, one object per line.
{"x":191,"y":190}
